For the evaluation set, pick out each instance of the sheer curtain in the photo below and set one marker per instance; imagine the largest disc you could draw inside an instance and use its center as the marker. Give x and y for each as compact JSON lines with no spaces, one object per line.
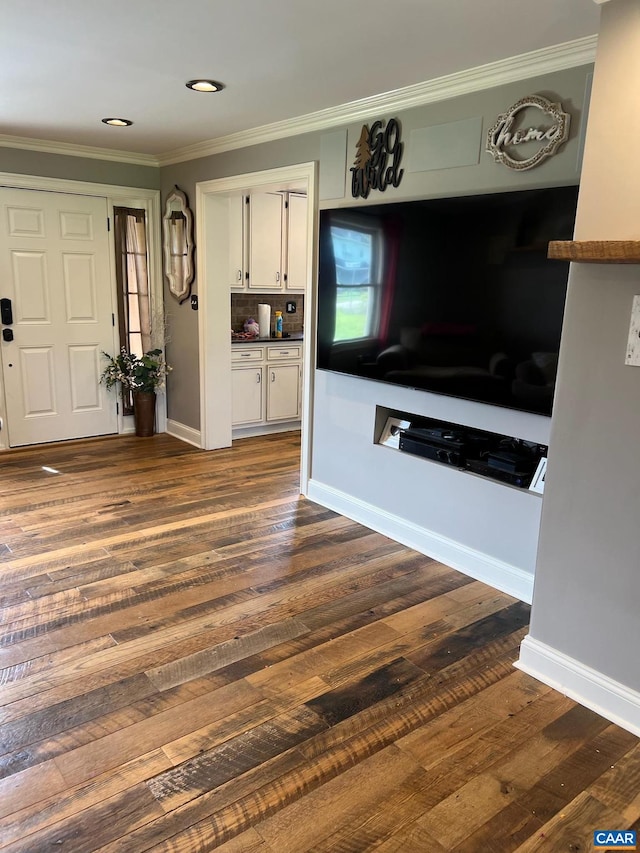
{"x":134,"y":306}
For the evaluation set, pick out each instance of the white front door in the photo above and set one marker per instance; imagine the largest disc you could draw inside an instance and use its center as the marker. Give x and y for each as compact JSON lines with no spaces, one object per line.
{"x":55,"y":270}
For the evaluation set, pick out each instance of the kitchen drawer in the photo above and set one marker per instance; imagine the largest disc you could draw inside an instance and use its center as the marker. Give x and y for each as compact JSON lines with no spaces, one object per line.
{"x":283,"y":353}
{"x":247,"y":355}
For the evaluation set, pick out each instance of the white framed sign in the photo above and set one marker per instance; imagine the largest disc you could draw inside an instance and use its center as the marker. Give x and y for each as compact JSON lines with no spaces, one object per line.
{"x":537,"y":141}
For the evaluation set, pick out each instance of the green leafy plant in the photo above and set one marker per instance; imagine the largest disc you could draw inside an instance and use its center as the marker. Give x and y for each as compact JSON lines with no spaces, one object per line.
{"x":136,"y":373}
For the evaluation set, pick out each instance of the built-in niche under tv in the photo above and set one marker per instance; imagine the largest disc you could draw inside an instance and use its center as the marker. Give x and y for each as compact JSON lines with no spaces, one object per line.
{"x":453,"y":296}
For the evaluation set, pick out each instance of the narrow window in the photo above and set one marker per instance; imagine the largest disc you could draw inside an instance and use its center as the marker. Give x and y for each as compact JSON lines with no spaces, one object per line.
{"x":134,"y":307}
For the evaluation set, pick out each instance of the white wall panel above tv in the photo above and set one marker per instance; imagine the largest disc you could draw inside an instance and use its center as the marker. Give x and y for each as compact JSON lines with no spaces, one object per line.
{"x":445,"y":146}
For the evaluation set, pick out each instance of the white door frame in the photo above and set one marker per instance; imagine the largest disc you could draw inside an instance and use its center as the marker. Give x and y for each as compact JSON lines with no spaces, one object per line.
{"x":214,"y":314}
{"x":149,"y":200}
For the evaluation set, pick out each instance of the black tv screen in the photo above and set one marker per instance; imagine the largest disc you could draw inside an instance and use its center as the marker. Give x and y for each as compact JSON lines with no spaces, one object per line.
{"x":454,"y":296}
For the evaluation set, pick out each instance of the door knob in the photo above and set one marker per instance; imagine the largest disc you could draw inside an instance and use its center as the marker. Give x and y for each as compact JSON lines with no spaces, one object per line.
{"x":7,"y":335}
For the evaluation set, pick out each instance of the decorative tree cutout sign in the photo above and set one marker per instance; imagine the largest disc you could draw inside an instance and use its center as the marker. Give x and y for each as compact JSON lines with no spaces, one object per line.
{"x":509,"y":133}
{"x":371,"y":168}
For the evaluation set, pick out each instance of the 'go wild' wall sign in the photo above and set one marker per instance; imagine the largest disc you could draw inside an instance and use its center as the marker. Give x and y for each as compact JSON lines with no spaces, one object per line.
{"x":371,"y":168}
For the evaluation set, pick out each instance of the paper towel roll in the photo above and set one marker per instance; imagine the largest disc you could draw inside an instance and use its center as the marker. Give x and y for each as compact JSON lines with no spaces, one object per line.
{"x":264,"y":319}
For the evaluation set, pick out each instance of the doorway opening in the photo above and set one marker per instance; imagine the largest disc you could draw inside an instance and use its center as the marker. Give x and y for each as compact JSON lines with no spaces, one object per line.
{"x":212,"y":238}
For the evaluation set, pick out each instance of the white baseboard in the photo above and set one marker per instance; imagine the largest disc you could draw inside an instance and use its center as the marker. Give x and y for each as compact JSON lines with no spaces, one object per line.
{"x":265,"y":429}
{"x":482,"y":567}
{"x":590,"y":688}
{"x":183,"y":432}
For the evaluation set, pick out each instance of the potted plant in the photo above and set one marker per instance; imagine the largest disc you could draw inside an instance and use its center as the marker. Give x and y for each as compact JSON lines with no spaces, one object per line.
{"x":143,"y":376}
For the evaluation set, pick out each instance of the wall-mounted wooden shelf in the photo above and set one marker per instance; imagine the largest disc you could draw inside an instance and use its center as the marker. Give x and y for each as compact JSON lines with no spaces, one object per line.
{"x":596,"y":251}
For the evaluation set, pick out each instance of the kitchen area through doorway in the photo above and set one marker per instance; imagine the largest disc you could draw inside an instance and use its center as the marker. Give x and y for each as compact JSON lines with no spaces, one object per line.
{"x":256,"y":238}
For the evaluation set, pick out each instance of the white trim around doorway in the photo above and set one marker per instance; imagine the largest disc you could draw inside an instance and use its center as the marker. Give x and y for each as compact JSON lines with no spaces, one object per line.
{"x":214,"y":314}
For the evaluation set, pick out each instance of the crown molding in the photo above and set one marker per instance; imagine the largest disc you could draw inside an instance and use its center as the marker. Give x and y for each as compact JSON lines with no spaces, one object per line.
{"x":69,"y":149}
{"x":535,"y":63}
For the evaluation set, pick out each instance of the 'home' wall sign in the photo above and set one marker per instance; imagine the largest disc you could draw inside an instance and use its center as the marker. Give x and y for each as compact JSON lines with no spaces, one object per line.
{"x":371,"y":169}
{"x":510,"y":134}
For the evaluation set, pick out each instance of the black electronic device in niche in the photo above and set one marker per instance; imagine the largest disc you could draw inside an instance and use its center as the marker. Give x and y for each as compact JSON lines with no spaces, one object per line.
{"x":499,"y":457}
{"x":454,"y":296}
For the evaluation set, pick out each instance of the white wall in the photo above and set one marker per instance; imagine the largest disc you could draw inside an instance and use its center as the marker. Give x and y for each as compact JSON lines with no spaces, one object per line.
{"x":568,"y":86}
{"x":485,"y":528}
{"x":482,"y":527}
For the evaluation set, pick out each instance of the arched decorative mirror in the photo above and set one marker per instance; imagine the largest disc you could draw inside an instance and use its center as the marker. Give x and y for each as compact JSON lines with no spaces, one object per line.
{"x":178,"y":244}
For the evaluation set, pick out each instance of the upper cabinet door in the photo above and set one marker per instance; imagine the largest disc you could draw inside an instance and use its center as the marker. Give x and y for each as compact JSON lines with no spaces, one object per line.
{"x":265,"y":245}
{"x":297,"y":243}
{"x":238,"y":248}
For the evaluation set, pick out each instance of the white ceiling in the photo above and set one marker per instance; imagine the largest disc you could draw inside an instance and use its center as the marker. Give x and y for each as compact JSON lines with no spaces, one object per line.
{"x":65,"y":65}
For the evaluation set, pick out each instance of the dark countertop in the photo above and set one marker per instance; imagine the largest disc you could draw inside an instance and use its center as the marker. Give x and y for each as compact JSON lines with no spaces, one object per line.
{"x":293,"y":337}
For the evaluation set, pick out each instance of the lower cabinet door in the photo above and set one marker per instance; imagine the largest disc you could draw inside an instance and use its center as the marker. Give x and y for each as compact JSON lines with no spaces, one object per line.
{"x":247,"y":397}
{"x":283,"y":392}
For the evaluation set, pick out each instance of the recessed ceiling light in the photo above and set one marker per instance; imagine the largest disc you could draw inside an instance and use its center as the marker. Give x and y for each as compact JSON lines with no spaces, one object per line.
{"x":117,"y":122}
{"x":204,"y":85}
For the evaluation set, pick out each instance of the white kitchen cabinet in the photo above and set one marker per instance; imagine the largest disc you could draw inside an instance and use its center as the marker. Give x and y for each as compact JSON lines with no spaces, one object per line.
{"x":238,"y":242}
{"x":247,"y":385}
{"x":283,"y":392}
{"x":265,"y":242}
{"x":266,"y":386}
{"x":296,"y":243}
{"x":268,"y":243}
{"x":247,"y":396}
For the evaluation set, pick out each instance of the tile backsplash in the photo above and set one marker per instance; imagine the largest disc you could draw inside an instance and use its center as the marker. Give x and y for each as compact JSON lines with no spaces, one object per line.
{"x":245,"y":305}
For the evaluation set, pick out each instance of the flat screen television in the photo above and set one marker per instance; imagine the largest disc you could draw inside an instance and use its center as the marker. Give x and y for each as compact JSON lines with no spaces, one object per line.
{"x":454,"y":295}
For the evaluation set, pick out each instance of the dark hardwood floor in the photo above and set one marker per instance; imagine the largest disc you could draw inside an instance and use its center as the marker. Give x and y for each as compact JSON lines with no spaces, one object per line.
{"x":194,"y":658}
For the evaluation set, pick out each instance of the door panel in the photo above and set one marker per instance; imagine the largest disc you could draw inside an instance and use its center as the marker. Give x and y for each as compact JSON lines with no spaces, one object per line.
{"x":80,"y":288}
{"x":25,"y":221}
{"x":31,"y":290}
{"x":84,"y":372}
{"x":55,"y":267}
{"x":75,"y":226}
{"x":38,"y":384}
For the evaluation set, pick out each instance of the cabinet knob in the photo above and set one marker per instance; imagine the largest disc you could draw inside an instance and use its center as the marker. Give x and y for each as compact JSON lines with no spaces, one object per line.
{"x":239,"y":275}
{"x":273,"y":376}
{"x":277,"y":276}
{"x":258,"y":377}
